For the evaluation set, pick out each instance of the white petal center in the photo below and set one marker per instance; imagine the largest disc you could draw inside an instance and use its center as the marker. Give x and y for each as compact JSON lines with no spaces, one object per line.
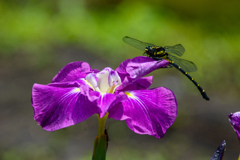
{"x":105,"y":81}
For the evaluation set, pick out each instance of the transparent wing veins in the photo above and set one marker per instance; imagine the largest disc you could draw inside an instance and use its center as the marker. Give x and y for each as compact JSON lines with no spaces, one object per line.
{"x":177,"y":49}
{"x":186,"y":65}
{"x":136,"y":43}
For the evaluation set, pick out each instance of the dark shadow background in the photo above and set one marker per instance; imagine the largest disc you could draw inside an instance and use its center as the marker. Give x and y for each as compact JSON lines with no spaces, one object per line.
{"x":38,"y":38}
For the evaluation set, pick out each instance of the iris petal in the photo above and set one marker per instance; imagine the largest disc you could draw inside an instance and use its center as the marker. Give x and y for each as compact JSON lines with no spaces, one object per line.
{"x":138,"y":84}
{"x":92,"y":79}
{"x":73,"y":71}
{"x":139,"y":67}
{"x":113,"y":79}
{"x":60,"y":107}
{"x":104,"y":102}
{"x":149,"y":112}
{"x":103,"y":79}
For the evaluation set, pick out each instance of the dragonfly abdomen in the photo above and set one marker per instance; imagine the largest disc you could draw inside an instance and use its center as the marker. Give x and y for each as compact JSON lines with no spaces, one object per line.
{"x":203,"y":93}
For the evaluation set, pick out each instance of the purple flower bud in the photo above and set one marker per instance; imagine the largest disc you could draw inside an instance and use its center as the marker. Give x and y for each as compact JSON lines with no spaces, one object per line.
{"x":234,"y":119}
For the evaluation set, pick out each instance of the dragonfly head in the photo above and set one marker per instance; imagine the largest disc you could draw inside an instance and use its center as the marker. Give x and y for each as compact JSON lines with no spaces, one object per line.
{"x":150,"y":51}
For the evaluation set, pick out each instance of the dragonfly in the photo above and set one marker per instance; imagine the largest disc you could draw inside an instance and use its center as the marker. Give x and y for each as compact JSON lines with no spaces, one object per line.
{"x":169,"y":53}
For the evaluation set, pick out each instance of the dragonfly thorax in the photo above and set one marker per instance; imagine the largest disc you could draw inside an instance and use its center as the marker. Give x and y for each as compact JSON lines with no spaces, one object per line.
{"x":155,"y":51}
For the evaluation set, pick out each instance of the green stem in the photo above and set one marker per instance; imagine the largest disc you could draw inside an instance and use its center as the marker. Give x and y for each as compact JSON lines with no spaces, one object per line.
{"x":101,"y":125}
{"x":100,"y":143}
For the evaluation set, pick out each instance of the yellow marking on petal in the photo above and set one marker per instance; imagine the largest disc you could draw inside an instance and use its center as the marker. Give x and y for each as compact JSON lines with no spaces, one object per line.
{"x":89,"y":84}
{"x":129,"y":94}
{"x":76,"y":90}
{"x":112,"y":89}
{"x":97,"y":89}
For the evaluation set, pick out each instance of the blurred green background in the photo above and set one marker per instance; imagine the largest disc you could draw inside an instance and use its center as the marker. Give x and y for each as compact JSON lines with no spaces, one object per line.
{"x":38,"y":38}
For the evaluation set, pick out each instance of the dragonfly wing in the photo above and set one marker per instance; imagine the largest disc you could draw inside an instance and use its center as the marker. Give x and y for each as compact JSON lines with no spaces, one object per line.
{"x":186,"y":65}
{"x":136,"y":43}
{"x":177,"y":49}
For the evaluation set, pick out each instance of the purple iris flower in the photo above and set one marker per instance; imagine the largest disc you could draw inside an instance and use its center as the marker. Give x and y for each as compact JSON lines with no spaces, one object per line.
{"x":78,"y":92}
{"x":234,"y":119}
